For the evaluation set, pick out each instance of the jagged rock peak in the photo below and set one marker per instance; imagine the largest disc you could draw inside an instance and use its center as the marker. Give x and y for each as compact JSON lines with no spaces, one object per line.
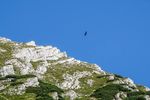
{"x":3,"y":39}
{"x":32,"y":43}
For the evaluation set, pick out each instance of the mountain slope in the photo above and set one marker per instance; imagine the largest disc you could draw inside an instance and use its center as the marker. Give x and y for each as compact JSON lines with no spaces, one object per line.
{"x":30,"y":72}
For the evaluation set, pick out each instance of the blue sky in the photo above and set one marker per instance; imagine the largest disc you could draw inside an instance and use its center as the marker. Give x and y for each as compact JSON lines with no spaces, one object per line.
{"x":118,"y":31}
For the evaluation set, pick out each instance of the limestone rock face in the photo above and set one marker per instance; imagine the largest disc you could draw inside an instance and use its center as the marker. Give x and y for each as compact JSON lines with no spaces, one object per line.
{"x":29,"y":72}
{"x":32,"y":82}
{"x":2,"y":50}
{"x":146,"y":88}
{"x":7,"y":70}
{"x":4,"y":40}
{"x":31,"y":43}
{"x":72,"y":94}
{"x":72,"y":81}
{"x":39,"y":53}
{"x":55,"y":96}
{"x":147,"y":97}
{"x":90,"y":82}
{"x":24,"y":67}
{"x":120,"y":96}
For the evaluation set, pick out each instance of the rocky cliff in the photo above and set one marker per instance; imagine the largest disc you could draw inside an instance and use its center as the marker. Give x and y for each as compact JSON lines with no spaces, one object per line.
{"x":31,"y":72}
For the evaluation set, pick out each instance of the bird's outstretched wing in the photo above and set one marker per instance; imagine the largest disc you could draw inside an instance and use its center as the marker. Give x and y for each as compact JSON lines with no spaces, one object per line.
{"x":85,"y":33}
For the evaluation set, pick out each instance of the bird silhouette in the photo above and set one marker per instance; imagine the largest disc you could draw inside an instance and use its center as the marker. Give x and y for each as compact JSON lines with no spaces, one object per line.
{"x":85,"y":33}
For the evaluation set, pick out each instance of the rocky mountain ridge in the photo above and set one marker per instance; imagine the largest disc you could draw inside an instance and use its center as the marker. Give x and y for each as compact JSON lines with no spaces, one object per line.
{"x":31,"y":72}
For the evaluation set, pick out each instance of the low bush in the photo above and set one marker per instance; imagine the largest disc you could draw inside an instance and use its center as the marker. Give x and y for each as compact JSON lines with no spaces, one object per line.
{"x":19,"y":76}
{"x":42,"y":92}
{"x":135,"y":93}
{"x":119,"y":76}
{"x":108,"y":92}
{"x":16,"y":83}
{"x":135,"y":98}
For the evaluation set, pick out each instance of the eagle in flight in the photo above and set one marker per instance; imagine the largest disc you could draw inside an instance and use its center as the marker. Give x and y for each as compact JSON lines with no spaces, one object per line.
{"x":85,"y":33}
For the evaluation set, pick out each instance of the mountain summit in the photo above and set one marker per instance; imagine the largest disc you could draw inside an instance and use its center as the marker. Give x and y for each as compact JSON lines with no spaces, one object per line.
{"x":31,"y":72}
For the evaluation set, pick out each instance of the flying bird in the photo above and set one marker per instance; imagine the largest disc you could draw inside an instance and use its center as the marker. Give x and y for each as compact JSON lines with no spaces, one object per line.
{"x":85,"y":33}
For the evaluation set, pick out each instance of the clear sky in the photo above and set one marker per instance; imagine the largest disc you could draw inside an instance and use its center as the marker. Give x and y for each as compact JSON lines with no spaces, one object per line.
{"x":118,"y":36}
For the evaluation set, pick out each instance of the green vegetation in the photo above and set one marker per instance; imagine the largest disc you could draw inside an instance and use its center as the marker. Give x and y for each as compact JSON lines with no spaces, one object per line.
{"x":2,"y":78}
{"x":15,"y":80}
{"x":3,"y":98}
{"x":56,"y":72}
{"x":35,"y":64}
{"x":42,"y":92}
{"x":108,"y":91}
{"x":16,"y":83}
{"x":15,"y":77}
{"x":86,"y":89}
{"x":135,"y":98}
{"x":38,"y":93}
{"x":141,"y":88}
{"x":139,"y":95}
{"x":118,"y":76}
{"x":130,"y":94}
{"x":26,"y":96}
{"x":20,"y":76}
{"x":16,"y":70}
{"x":7,"y":54}
{"x":102,"y":76}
